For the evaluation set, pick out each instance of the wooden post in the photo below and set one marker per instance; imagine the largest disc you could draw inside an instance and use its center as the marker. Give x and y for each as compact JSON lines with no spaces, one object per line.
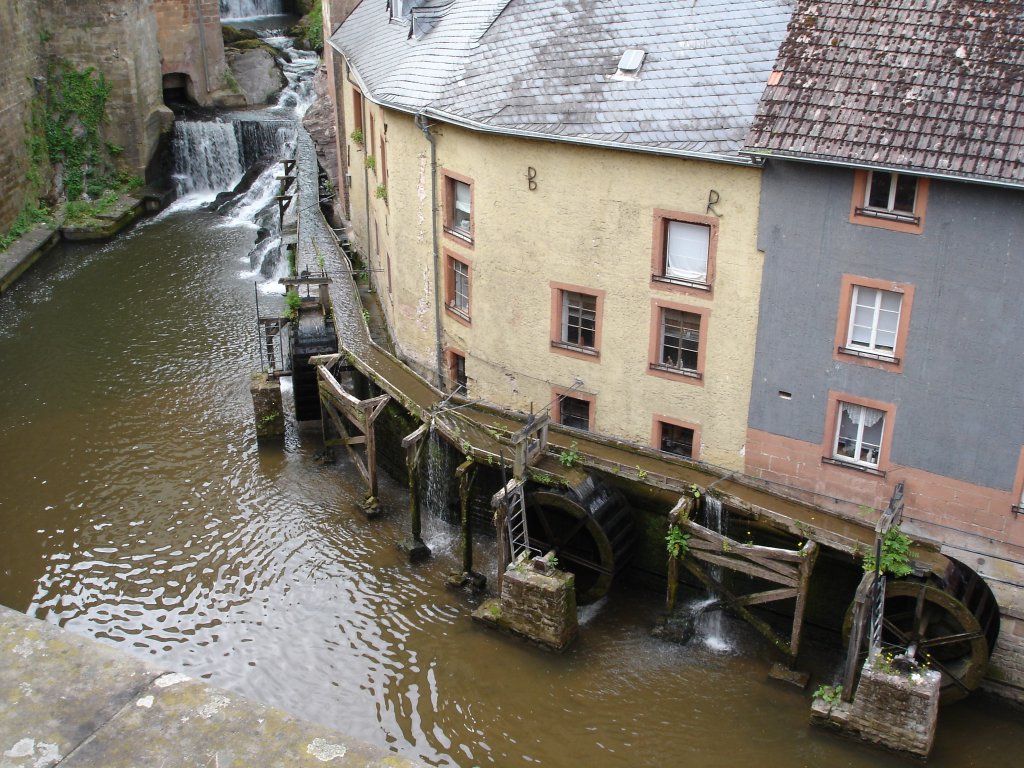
{"x":682,"y":510}
{"x":466,"y":473}
{"x":810,"y":554}
{"x":414,"y":547}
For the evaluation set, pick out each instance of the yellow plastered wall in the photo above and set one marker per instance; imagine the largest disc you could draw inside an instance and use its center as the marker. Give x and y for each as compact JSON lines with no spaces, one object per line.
{"x":588,"y":222}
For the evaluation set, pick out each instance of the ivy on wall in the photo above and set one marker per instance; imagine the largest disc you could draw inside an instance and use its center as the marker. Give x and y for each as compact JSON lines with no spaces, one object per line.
{"x":76,"y":109}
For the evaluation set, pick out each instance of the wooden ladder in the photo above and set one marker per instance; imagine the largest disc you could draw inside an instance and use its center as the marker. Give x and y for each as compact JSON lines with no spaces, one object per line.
{"x":518,"y":536}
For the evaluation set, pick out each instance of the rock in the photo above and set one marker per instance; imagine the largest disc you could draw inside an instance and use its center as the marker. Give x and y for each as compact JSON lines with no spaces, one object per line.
{"x":258,"y":75}
{"x":233,"y":35}
{"x":319,"y":122}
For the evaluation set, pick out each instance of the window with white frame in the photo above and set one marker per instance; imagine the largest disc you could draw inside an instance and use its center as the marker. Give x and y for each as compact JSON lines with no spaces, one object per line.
{"x":679,"y":341}
{"x":461,"y":208}
{"x":579,"y":320}
{"x":859,"y":432}
{"x":874,"y":321}
{"x":460,"y":287}
{"x":686,"y":252}
{"x":891,"y":194}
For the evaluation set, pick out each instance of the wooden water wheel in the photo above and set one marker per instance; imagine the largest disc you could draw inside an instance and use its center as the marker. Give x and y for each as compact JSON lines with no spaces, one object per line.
{"x":589,"y":527}
{"x":949,"y":623}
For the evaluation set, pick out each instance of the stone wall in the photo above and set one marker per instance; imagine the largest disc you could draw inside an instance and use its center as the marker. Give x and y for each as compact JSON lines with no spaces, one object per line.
{"x":191,"y":46}
{"x":19,"y":38}
{"x":119,"y":39}
{"x":537,"y":602}
{"x":897,"y":711}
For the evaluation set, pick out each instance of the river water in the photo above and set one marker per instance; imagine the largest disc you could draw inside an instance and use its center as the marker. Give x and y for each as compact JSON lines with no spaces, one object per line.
{"x":137,"y":508}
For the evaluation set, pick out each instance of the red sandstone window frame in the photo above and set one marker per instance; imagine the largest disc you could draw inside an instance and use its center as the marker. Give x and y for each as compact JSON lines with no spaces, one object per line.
{"x":559,"y":344}
{"x":659,"y":246}
{"x":654,"y":365}
{"x":454,"y":355}
{"x":463,"y":316}
{"x":460,"y":236}
{"x":659,"y":422}
{"x":557,"y":393}
{"x":832,"y":428}
{"x":357,"y":110}
{"x":863,"y":215}
{"x":842,"y":352}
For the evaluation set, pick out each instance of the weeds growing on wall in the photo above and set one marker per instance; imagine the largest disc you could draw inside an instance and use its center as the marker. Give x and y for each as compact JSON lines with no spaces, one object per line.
{"x":76,"y":110}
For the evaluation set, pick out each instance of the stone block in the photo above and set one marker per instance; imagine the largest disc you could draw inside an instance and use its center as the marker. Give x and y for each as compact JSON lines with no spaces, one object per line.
{"x":266,"y":403}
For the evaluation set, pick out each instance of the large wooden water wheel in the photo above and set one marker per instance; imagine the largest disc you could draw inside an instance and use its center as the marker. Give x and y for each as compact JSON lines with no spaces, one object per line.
{"x":589,"y":527}
{"x":948,"y":622}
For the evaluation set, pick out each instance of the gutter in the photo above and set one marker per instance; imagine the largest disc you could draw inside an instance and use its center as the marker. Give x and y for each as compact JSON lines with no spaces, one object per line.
{"x":423,"y":125}
{"x":768,"y":154}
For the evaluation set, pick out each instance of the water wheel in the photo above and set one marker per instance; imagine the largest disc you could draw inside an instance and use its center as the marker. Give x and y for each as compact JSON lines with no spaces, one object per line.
{"x":590,"y":528}
{"x":950,"y":623}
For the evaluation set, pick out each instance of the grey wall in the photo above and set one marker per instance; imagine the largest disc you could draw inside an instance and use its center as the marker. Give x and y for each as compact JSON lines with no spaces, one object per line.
{"x":959,"y":409}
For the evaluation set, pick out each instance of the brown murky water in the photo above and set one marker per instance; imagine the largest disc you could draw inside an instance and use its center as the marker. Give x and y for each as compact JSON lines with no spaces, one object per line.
{"x":137,"y":508}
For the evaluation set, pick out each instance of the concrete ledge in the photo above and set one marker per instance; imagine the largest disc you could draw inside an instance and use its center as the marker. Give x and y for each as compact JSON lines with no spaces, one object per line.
{"x":76,"y":702}
{"x":25,"y":252}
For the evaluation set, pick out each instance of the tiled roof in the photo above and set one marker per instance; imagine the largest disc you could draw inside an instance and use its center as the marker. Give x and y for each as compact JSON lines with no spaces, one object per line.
{"x":547,"y":68}
{"x":933,"y":86}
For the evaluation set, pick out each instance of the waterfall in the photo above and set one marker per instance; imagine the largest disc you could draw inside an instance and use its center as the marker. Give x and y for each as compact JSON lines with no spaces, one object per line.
{"x":710,"y":622}
{"x":248,"y":9}
{"x":436,"y":496}
{"x":206,"y":157}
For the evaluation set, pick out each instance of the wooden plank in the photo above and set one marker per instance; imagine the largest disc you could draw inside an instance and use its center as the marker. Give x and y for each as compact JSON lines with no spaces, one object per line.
{"x":809,"y":553}
{"x":743,"y":567}
{"x":415,"y":435}
{"x":768,"y":596}
{"x":784,"y":570}
{"x":775,"y":553}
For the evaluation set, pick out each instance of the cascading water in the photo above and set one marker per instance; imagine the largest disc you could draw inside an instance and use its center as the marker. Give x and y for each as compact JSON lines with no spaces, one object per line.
{"x":206,"y":157}
{"x":710,"y":624}
{"x":435,"y":494}
{"x":249,"y":9}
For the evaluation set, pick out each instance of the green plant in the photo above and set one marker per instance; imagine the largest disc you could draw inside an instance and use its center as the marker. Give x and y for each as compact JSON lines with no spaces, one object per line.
{"x":320,"y":260}
{"x":641,"y":473}
{"x":357,"y":136}
{"x":370,"y":162}
{"x":553,"y":562}
{"x":366,"y":316}
{"x":830,"y":694}
{"x":232,"y":81}
{"x":569,"y":457}
{"x":895,"y":554}
{"x":292,"y":301}
{"x":313,"y":27}
{"x":30,"y":215}
{"x":381,"y":193}
{"x":694,"y":490}
{"x":677,"y":542}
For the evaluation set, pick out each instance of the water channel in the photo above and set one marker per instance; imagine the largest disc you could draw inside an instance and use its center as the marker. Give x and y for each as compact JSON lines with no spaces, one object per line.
{"x":138,"y":508}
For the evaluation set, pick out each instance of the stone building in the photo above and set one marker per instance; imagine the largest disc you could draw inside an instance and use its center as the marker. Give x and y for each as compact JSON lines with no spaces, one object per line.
{"x":554,"y":207}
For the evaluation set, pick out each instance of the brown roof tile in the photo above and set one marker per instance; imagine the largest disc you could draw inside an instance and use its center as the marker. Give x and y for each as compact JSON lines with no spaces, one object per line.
{"x":926,"y":85}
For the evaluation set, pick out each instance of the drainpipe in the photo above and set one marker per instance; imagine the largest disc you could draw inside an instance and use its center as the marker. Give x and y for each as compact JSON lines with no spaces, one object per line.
{"x":423,"y":125}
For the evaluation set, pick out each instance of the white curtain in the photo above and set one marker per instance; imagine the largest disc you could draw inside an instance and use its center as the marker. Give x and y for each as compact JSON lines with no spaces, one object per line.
{"x":686,"y":250}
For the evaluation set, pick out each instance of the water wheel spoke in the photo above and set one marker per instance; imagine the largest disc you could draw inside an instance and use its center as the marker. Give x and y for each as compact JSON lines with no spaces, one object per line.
{"x":955,"y":678}
{"x":902,"y":636}
{"x":963,"y":637}
{"x":576,"y":559}
{"x":561,"y":541}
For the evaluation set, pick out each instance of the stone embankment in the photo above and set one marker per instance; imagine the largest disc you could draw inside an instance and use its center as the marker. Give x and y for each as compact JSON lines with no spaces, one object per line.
{"x":78,"y":703}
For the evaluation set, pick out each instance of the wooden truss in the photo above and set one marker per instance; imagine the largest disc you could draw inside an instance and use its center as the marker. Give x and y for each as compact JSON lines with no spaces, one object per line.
{"x":352,"y":420}
{"x":789,"y":569}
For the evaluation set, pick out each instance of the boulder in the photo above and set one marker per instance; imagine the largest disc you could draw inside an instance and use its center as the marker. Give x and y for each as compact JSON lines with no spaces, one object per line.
{"x":258,"y":75}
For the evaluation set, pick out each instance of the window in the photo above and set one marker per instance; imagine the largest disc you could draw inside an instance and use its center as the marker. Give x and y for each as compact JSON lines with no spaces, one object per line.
{"x":579,"y":319}
{"x":1017,"y":499}
{"x":383,"y":161}
{"x":458,"y":207}
{"x":574,"y":412}
{"x":859,"y":431}
{"x":373,"y":138}
{"x":890,"y":193}
{"x":457,"y":372}
{"x":357,"y":110}
{"x":677,"y":341}
{"x":458,"y":288}
{"x":683,"y":250}
{"x":873,"y":322}
{"x":576,"y":320}
{"x":889,"y":200}
{"x":676,"y":439}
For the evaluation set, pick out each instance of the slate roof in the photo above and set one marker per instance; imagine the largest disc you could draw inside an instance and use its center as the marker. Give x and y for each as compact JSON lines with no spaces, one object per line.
{"x":546,"y":68}
{"x":933,"y":86}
